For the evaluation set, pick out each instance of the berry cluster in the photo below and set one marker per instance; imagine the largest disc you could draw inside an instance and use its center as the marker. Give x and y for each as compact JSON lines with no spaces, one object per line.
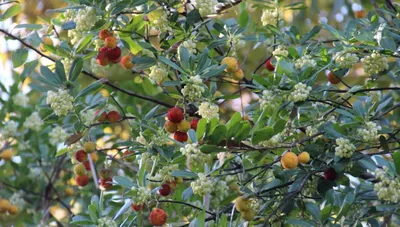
{"x":248,"y":208}
{"x":7,"y":207}
{"x":112,"y":116}
{"x":105,"y":179}
{"x":178,"y":125}
{"x":80,"y":169}
{"x":61,"y":102}
{"x":110,"y":52}
{"x":345,"y":148}
{"x":290,"y":160}
{"x":300,"y":93}
{"x":232,"y":68}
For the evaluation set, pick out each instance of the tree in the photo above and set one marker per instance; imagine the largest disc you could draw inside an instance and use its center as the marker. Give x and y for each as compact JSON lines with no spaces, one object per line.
{"x":130,"y":114}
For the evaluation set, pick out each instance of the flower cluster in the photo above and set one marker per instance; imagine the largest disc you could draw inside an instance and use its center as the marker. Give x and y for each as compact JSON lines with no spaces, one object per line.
{"x":271,"y":16}
{"x":17,"y":200}
{"x":370,"y":132}
{"x":300,"y":92}
{"x":273,"y":141}
{"x":160,"y":138}
{"x":161,"y":22}
{"x":311,"y":130}
{"x":205,"y":7}
{"x":67,"y":62}
{"x":306,"y":60}
{"x":208,"y":110}
{"x":165,"y":173}
{"x":196,"y":157}
{"x":60,"y":101}
{"x":85,"y":19}
{"x":388,"y":189}
{"x":34,"y":122}
{"x":9,"y":130}
{"x":344,"y":148}
{"x":267,"y":99}
{"x":193,"y":90}
{"x":346,"y":59}
{"x":20,"y":99}
{"x":202,"y":186}
{"x":88,"y":116}
{"x":220,"y":192}
{"x":140,"y":195}
{"x":190,"y":45}
{"x":106,"y":222}
{"x":158,"y":73}
{"x":280,"y":51}
{"x":57,"y":135}
{"x":374,"y":63}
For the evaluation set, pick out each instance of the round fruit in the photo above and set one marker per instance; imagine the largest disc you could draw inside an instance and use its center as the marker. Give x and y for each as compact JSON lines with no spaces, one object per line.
{"x":110,"y":42}
{"x":89,"y":147}
{"x":126,"y":62}
{"x":13,"y":209}
{"x":105,"y":173}
{"x":170,"y":127}
{"x":184,"y":126}
{"x":165,"y":190}
{"x":82,"y":180}
{"x":103,"y":34}
{"x":238,"y":75}
{"x":81,"y":156}
{"x":114,"y":54}
{"x":129,"y":156}
{"x":7,"y":155}
{"x":232,"y":65}
{"x":69,"y":191}
{"x":113,"y":116}
{"x":330,"y":174}
{"x":4,"y":204}
{"x":193,"y":123}
{"x":248,"y":216}
{"x":79,"y":169}
{"x":359,"y":14}
{"x":172,"y":184}
{"x":101,"y":117}
{"x":242,"y":204}
{"x":181,"y":136}
{"x":137,"y":207}
{"x":87,"y":165}
{"x":304,"y":157}
{"x":102,"y":59}
{"x":332,"y":78}
{"x":94,"y":156}
{"x":289,"y":160}
{"x":157,"y":217}
{"x":106,"y":183}
{"x":269,"y":66}
{"x":175,"y":115}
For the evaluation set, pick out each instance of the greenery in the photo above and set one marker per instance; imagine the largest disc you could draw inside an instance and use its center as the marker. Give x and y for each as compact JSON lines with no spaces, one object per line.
{"x":219,"y":113}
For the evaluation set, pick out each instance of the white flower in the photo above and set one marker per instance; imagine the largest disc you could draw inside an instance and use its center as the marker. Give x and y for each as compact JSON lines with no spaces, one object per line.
{"x":57,"y":135}
{"x":267,"y":99}
{"x":17,"y":200}
{"x":273,"y":141}
{"x":141,"y":195}
{"x":20,"y":99}
{"x":34,"y":122}
{"x":86,"y":18}
{"x":208,"y":110}
{"x":106,"y":222}
{"x":158,"y":73}
{"x":345,"y":148}
{"x":202,"y":186}
{"x":67,"y":62}
{"x":60,"y":102}
{"x":300,"y":92}
{"x":9,"y":130}
{"x":193,"y":89}
{"x":161,"y":22}
{"x":165,"y":173}
{"x":280,"y":51}
{"x":140,"y":139}
{"x":192,"y":151}
{"x":306,"y":60}
{"x":160,"y":138}
{"x":311,"y":130}
{"x":370,"y":132}
{"x":221,"y":190}
{"x":270,"y":17}
{"x":190,"y":45}
{"x":346,"y":59}
{"x":388,"y":189}
{"x":88,"y":116}
{"x":205,"y":7}
{"x":374,"y":63}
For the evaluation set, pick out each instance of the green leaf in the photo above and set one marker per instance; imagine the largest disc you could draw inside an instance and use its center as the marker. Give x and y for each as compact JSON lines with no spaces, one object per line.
{"x":183,"y":173}
{"x":332,"y":30}
{"x":187,"y":193}
{"x":30,"y":26}
{"x":28,"y":69}
{"x":396,"y":159}
{"x":192,"y":135}
{"x":133,"y":46}
{"x":201,"y":218}
{"x":83,"y":43}
{"x":235,"y":119}
{"x":10,"y":12}
{"x":348,"y":200}
{"x":61,"y":152}
{"x":207,"y":149}
{"x":325,"y":213}
{"x":218,"y":134}
{"x":201,"y":128}
{"x":81,"y":220}
{"x":92,"y":87}
{"x":76,"y":69}
{"x":92,"y":210}
{"x":314,"y":211}
{"x":170,"y":63}
{"x":123,"y":209}
{"x":295,"y":222}
{"x":244,"y":16}
{"x":243,"y":132}
{"x":124,"y":182}
{"x":19,"y":57}
{"x":314,"y":31}
{"x":60,"y":71}
{"x":262,"y":134}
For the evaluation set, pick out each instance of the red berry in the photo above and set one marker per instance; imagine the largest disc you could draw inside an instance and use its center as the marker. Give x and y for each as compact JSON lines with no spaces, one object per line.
{"x":114,"y":54}
{"x":165,"y":190}
{"x":113,"y":116}
{"x":269,"y":66}
{"x":105,"y":173}
{"x":330,"y":174}
{"x":157,"y":217}
{"x":332,"y":78}
{"x":82,"y":180}
{"x":101,"y":117}
{"x":181,"y":136}
{"x":111,"y":42}
{"x":193,"y":123}
{"x":175,"y":114}
{"x":81,"y":156}
{"x":102,"y":59}
{"x":137,"y":207}
{"x":106,"y":183}
{"x":87,"y":165}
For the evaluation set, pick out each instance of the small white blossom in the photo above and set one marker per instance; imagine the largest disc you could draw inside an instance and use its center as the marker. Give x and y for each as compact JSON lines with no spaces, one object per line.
{"x":374,"y":63}
{"x":370,"y":132}
{"x":346,"y":59}
{"x":158,"y":73}
{"x":60,"y":101}
{"x":196,"y":157}
{"x":9,"y":130}
{"x":193,"y":89}
{"x":345,"y":148}
{"x":205,"y":7}
{"x":17,"y":200}
{"x":388,"y":188}
{"x":141,"y":195}
{"x":140,"y":139}
{"x":106,"y":222}
{"x":67,"y":62}
{"x":306,"y":60}
{"x":88,"y":116}
{"x":202,"y":186}
{"x":267,"y":99}
{"x":190,"y":45}
{"x":208,"y":110}
{"x":220,"y":192}
{"x":280,"y":51}
{"x":20,"y":99}
{"x":311,"y":130}
{"x":34,"y":122}
{"x":300,"y":92}
{"x":165,"y":173}
{"x":57,"y":135}
{"x":271,"y":17}
{"x":160,"y":138}
{"x":86,"y":18}
{"x":161,"y":22}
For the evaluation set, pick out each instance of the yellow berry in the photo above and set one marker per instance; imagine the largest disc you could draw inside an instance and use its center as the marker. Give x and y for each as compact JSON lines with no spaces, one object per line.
{"x":238,"y":75}
{"x":183,"y":126}
{"x":248,"y":215}
{"x":89,"y":147}
{"x":304,"y":157}
{"x":7,"y":155}
{"x":242,"y":204}
{"x":4,"y":205}
{"x":13,"y":209}
{"x":79,"y":169}
{"x":232,"y":65}
{"x":289,"y":160}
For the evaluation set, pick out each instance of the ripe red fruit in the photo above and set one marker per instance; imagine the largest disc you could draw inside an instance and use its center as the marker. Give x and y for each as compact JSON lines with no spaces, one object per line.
{"x":175,"y":114}
{"x":126,"y":62}
{"x":193,"y":123}
{"x":101,"y":117}
{"x":82,"y":180}
{"x":157,"y":217}
{"x":87,"y":165}
{"x":114,"y":54}
{"x":332,"y":78}
{"x":165,"y":190}
{"x":106,"y":183}
{"x":269,"y":66}
{"x":102,"y":59}
{"x":181,"y":136}
{"x":330,"y":174}
{"x":113,"y":116}
{"x":103,"y":34}
{"x":137,"y":207}
{"x":81,"y":156}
